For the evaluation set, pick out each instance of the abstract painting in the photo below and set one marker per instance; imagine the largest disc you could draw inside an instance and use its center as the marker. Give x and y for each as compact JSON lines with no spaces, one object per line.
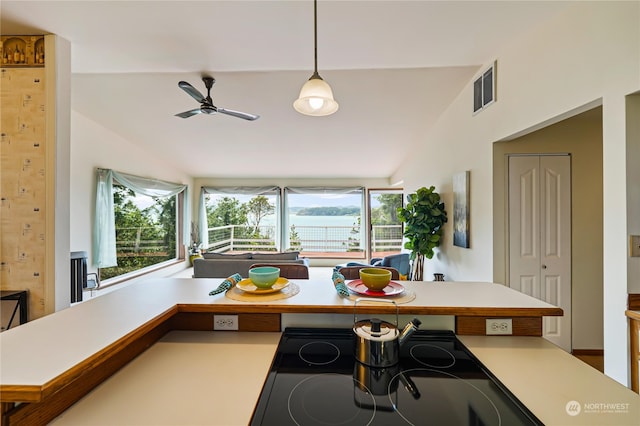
{"x":461,"y":209}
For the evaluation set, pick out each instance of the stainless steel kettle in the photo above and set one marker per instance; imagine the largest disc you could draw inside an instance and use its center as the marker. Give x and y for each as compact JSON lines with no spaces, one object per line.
{"x":377,"y":343}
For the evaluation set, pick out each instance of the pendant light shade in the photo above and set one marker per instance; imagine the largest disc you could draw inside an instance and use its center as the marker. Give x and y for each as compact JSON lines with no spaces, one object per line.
{"x":316,"y":96}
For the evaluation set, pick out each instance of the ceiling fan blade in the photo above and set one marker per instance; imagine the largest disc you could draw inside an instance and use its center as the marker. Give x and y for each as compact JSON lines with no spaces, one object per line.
{"x":192,"y":91}
{"x":238,"y":114}
{"x":190,"y":113}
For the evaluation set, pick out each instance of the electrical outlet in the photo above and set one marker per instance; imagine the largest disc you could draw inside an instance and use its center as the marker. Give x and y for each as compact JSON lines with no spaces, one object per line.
{"x":225,"y":322}
{"x":499,"y":326}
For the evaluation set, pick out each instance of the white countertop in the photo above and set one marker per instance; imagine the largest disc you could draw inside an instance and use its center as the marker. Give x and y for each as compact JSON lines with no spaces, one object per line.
{"x":41,"y":350}
{"x":190,"y":378}
{"x":548,"y":380}
{"x":186,"y":378}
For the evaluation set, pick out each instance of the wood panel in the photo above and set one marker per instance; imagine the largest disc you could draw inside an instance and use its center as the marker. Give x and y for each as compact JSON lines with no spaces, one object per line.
{"x":634,"y":348}
{"x":587,"y":352}
{"x":633,"y":302}
{"x":23,"y":184}
{"x":203,"y":321}
{"x":528,"y":326}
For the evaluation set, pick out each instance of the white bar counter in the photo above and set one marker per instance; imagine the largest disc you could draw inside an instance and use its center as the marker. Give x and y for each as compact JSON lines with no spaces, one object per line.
{"x":50,"y":363}
{"x":39,"y":351}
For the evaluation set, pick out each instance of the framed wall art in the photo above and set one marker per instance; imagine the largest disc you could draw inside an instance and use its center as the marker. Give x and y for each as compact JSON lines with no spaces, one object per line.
{"x":461,"y":197}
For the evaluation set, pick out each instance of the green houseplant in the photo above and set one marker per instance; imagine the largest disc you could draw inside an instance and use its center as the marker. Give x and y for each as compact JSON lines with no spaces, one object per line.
{"x":423,"y":218}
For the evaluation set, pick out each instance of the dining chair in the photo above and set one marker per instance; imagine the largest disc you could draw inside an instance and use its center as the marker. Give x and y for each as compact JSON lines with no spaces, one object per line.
{"x":288,"y":270}
{"x":353,"y":272}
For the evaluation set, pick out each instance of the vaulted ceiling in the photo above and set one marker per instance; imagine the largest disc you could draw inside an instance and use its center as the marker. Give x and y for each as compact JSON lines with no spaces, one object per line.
{"x":394,"y":67}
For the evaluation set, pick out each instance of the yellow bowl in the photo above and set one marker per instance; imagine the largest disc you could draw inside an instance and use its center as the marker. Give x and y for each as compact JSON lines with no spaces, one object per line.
{"x":264,"y":276}
{"x":375,"y":278}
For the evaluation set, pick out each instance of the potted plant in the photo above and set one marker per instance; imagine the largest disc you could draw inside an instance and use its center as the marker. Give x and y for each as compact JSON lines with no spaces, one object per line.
{"x":423,"y":218}
{"x":194,"y":247}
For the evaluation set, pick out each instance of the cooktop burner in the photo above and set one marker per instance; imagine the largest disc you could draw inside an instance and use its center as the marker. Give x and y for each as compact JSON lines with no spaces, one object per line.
{"x":316,"y":380}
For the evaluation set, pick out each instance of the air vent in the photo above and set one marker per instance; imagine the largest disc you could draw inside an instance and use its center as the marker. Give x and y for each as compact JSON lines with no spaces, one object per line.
{"x":484,"y":89}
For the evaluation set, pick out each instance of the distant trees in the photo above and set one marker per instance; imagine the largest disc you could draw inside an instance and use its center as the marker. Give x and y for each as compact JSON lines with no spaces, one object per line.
{"x":329,"y":211}
{"x":144,"y":237}
{"x":227,"y":211}
{"x":259,"y":207}
{"x":230,"y":211}
{"x":387,"y":212}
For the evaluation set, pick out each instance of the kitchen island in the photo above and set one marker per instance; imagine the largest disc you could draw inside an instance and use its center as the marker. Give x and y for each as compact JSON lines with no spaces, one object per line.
{"x":50,"y":363}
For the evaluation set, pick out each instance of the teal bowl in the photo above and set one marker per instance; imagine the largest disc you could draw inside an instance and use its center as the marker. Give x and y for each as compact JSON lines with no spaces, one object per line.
{"x":264,"y":276}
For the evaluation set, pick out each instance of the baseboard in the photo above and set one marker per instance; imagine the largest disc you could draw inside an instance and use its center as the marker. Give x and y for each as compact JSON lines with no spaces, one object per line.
{"x":588,"y":352}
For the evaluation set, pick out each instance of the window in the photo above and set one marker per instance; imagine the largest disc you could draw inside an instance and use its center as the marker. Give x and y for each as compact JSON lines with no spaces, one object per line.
{"x":484,"y":89}
{"x":241,"y":219}
{"x":325,"y":222}
{"x":146,"y":231}
{"x":386,"y":229}
{"x":138,"y":222}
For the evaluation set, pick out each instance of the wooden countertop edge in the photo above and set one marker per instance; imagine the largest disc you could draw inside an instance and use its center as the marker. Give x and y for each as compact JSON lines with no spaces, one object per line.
{"x":632,"y":314}
{"x":347,"y":309}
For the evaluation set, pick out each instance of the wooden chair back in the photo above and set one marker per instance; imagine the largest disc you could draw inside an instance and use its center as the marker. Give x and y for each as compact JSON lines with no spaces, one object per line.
{"x":353,"y":272}
{"x":288,"y":270}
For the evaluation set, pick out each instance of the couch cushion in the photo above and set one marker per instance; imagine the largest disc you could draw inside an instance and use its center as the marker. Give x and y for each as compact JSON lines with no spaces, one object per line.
{"x":290,"y":255}
{"x":226,"y":256}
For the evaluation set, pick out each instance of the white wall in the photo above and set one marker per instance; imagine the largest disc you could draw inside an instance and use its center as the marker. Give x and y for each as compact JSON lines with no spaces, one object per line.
{"x":94,"y":146}
{"x":59,"y":71}
{"x":591,"y":51}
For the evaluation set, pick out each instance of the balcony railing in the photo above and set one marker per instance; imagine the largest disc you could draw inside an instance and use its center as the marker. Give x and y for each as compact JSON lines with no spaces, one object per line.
{"x":141,"y":241}
{"x":324,"y":239}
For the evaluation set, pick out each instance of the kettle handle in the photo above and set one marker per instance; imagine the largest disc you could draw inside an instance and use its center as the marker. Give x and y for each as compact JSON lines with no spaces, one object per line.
{"x":365,"y":299}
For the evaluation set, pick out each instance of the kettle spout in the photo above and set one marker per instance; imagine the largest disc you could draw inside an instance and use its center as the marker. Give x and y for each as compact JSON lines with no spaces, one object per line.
{"x":408,"y":330}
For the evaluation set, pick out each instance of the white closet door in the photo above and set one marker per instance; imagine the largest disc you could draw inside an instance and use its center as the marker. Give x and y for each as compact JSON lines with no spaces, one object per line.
{"x":540,"y":236}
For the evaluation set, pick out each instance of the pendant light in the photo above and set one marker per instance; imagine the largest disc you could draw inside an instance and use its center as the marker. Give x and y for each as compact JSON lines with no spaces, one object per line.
{"x":316,"y":96}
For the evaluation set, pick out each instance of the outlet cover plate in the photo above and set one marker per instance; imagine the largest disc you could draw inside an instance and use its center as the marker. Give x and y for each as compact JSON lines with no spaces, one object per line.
{"x":499,"y":326}
{"x":634,"y":245}
{"x":225,"y":322}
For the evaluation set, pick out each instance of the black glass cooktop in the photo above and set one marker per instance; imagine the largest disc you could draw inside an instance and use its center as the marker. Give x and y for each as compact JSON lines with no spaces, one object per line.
{"x":315,"y":380}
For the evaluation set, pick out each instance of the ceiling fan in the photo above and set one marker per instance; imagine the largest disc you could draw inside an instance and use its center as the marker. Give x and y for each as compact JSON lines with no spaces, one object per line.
{"x":206,"y":104}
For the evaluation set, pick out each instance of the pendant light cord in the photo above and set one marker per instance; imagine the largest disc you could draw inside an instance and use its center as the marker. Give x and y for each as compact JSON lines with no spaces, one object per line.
{"x":315,"y":39}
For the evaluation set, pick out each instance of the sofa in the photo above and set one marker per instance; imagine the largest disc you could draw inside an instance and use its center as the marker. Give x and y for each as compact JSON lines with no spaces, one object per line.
{"x":222,"y":265}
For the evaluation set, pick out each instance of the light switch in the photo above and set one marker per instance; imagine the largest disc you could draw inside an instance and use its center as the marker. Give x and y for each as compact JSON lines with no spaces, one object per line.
{"x":634,"y":245}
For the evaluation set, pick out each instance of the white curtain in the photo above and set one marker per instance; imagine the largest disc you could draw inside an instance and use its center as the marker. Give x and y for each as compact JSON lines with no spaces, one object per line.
{"x":104,"y":230}
{"x":234,"y":190}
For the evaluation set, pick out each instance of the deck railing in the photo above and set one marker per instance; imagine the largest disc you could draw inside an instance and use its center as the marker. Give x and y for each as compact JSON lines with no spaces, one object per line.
{"x":140,"y":241}
{"x":327,"y":239}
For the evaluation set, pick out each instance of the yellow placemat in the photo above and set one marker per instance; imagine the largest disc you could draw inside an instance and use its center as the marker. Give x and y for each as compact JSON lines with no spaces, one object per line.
{"x":289,"y":291}
{"x":405,"y":297}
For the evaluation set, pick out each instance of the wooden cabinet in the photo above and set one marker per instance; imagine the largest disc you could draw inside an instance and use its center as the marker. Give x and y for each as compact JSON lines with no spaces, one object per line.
{"x":634,"y":347}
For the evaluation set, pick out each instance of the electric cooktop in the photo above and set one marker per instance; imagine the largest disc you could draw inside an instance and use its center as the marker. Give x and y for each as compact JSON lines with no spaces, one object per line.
{"x":316,"y":380}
